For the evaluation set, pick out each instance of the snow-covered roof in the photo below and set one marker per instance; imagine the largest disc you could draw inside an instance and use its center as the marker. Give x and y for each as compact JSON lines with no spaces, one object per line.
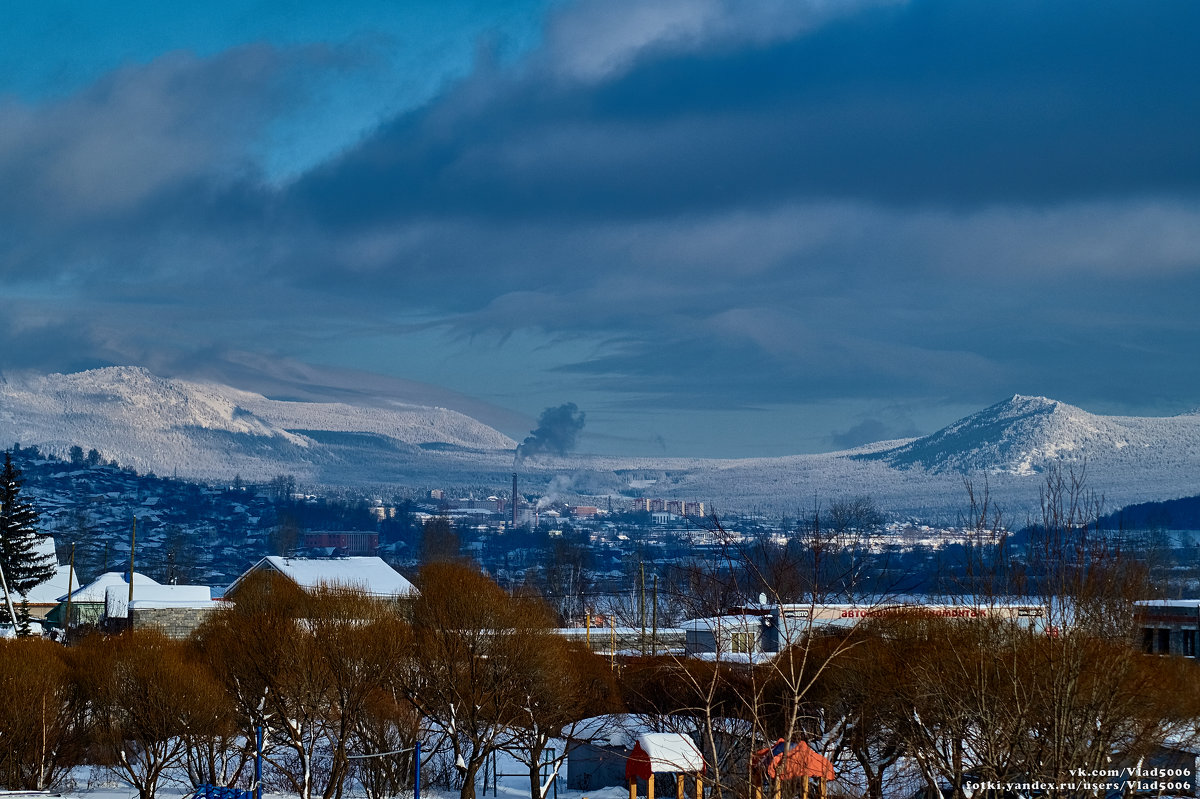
{"x":897,"y":600}
{"x":615,"y":729}
{"x":671,"y":751}
{"x":212,"y":604}
{"x":624,"y":729}
{"x":731,"y":622}
{"x":1169,"y":603}
{"x":48,"y":591}
{"x":116,"y":598}
{"x":51,"y":591}
{"x":368,"y":574}
{"x":44,"y":547}
{"x":747,"y":658}
{"x":95,"y":590}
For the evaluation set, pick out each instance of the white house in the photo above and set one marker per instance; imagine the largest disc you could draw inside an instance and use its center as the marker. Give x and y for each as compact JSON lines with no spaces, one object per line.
{"x":739,"y":634}
{"x":88,"y":602}
{"x":44,"y":597}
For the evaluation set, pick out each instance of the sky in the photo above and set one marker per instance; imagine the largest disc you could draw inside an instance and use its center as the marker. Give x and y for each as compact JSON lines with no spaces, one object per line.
{"x":721,"y":228}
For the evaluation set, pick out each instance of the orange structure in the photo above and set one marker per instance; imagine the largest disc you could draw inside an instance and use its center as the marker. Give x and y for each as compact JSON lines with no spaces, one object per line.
{"x":791,"y":763}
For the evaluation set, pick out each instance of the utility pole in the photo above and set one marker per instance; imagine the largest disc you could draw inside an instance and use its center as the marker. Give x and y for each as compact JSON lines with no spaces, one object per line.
{"x":612,"y":643}
{"x":654,"y":628}
{"x":70,"y":589}
{"x":642,"y":606}
{"x":132,"y":546}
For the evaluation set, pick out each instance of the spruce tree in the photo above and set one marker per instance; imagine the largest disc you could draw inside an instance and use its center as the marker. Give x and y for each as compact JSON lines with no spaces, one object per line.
{"x":24,"y":566}
{"x":23,"y":618}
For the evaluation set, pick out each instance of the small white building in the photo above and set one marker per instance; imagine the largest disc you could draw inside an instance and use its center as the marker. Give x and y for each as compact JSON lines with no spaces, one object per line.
{"x":175,"y":610}
{"x":88,"y":603}
{"x":116,"y":598}
{"x":739,"y":634}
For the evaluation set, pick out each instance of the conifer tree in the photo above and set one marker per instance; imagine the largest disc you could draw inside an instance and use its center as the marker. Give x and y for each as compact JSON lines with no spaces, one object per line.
{"x":24,"y":566}
{"x":23,"y":618}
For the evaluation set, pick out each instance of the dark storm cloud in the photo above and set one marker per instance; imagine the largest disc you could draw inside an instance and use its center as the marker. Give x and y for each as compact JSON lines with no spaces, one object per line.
{"x":749,"y":356}
{"x":49,"y":344}
{"x":816,"y":215}
{"x":935,"y":102}
{"x":737,"y":203}
{"x":147,"y":166}
{"x":109,"y":147}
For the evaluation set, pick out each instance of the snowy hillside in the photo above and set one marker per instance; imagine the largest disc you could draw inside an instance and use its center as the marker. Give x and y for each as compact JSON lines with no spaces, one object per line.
{"x":212,"y":431}
{"x":1011,"y":444}
{"x":1023,"y":435}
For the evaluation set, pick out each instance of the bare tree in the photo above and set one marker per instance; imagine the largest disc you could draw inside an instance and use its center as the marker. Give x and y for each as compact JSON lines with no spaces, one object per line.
{"x":44,"y":732}
{"x":387,"y":730}
{"x":775,"y":696}
{"x":359,"y":644}
{"x":565,"y":684}
{"x":315,"y":669}
{"x":857,"y":697}
{"x":148,"y":701}
{"x":276,"y":682}
{"x":1004,"y":697}
{"x":475,"y":649}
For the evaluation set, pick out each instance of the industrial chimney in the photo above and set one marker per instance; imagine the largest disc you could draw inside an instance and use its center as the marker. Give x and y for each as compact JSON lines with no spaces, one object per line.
{"x":514,"y":501}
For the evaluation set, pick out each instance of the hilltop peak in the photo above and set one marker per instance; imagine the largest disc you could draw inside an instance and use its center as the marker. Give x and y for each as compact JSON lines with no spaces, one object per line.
{"x":1023,"y":403}
{"x":1034,"y":400}
{"x":1019,"y":435}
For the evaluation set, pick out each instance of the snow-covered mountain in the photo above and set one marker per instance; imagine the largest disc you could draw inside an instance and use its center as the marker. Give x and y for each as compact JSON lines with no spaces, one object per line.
{"x":1010,"y":445}
{"x":211,"y":431}
{"x":208,"y":431}
{"x":1023,"y":435}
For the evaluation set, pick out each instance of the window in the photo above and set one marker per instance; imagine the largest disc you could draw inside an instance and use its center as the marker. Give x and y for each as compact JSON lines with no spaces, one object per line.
{"x":742,"y":642}
{"x":1187,"y":643}
{"x":1164,"y":642}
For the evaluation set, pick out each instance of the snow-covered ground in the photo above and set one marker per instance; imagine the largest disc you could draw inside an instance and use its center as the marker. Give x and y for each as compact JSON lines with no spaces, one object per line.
{"x":92,"y":783}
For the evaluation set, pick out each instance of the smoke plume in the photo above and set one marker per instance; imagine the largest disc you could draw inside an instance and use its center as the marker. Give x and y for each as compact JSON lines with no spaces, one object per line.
{"x":561,"y":484}
{"x":555,"y":434}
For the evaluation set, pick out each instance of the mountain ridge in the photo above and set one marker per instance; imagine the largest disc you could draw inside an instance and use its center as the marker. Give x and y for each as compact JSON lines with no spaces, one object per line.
{"x":212,"y":432}
{"x":1024,"y":434}
{"x":156,"y":424}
